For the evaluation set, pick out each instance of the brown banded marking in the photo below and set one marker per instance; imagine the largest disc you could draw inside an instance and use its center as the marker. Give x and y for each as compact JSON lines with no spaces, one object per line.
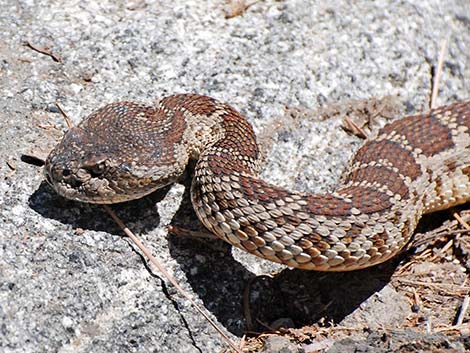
{"x":415,"y":165}
{"x":423,"y":132}
{"x":395,"y":181}
{"x":387,"y":152}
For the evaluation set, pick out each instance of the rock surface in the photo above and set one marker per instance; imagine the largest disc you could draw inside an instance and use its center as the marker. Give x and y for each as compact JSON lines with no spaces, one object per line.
{"x":69,"y":280}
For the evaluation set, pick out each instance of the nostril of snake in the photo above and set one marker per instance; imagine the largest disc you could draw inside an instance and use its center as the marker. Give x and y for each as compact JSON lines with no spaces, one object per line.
{"x":71,"y":178}
{"x":75,"y":183}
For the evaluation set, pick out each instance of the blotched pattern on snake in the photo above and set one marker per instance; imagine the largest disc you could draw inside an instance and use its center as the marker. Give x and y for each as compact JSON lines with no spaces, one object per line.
{"x":415,"y":165}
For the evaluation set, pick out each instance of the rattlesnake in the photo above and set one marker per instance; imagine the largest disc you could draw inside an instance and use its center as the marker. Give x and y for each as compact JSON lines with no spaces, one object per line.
{"x":415,"y":165}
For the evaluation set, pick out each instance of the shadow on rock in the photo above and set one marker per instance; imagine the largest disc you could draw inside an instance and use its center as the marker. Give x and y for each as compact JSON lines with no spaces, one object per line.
{"x":214,"y":275}
{"x":300,"y":297}
{"x":49,"y":204}
{"x":293,"y":297}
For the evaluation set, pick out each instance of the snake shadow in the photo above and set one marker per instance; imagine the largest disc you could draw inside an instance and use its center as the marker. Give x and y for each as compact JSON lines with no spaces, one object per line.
{"x":241,"y":301}
{"x":49,"y":204}
{"x":244,"y":302}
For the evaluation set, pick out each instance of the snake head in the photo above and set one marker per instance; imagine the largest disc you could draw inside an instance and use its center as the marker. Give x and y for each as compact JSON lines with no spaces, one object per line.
{"x":78,"y":170}
{"x":118,"y":153}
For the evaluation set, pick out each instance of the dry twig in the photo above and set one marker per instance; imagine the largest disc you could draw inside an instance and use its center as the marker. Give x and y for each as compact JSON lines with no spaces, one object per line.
{"x":461,"y":327}
{"x":462,"y":221}
{"x":43,"y":50}
{"x":238,"y":7}
{"x":246,"y":301}
{"x":448,"y":288}
{"x":463,"y":310}
{"x":67,"y":119}
{"x":437,"y":77}
{"x":355,"y":129}
{"x":170,"y":279}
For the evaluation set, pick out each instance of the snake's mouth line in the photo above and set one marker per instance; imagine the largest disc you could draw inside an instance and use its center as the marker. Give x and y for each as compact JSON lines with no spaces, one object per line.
{"x":80,"y":194}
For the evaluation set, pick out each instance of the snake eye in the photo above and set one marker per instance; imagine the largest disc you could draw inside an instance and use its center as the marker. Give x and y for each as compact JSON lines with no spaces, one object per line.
{"x":97,"y":169}
{"x":95,"y":165}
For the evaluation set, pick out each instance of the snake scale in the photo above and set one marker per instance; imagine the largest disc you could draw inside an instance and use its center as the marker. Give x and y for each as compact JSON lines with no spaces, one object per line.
{"x":413,"y":166}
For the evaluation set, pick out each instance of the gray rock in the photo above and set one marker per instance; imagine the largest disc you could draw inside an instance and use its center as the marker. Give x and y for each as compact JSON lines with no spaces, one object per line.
{"x":279,"y":344}
{"x":69,"y":281}
{"x":406,"y":341}
{"x":385,"y":308}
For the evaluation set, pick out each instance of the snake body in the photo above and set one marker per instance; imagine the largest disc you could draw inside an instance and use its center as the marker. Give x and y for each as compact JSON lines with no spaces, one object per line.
{"x":415,"y":165}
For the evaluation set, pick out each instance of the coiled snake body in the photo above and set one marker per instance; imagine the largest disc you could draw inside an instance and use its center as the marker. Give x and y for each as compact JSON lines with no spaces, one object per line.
{"x":413,"y":166}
